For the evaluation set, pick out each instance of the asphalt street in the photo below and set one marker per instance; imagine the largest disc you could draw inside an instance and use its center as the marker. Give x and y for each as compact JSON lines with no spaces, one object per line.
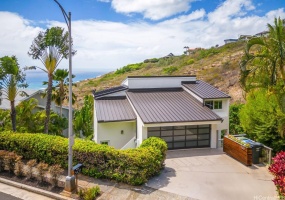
{"x":8,"y":192}
{"x":4,"y":196}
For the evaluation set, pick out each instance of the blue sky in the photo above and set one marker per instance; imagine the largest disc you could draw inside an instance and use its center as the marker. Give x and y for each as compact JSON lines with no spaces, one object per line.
{"x":109,"y":34}
{"x":39,"y":10}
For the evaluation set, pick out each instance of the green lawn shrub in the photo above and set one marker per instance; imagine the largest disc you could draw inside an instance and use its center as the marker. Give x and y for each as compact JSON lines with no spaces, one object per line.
{"x":128,"y":68}
{"x":169,"y":70}
{"x":132,"y":166}
{"x":203,"y":53}
{"x":89,"y":193}
{"x":152,"y":60}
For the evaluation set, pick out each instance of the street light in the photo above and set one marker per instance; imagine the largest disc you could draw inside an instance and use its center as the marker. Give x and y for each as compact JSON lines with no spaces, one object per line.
{"x":70,"y":179}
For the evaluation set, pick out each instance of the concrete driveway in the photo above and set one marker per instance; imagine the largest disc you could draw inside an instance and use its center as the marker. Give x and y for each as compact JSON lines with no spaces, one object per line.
{"x":211,"y":174}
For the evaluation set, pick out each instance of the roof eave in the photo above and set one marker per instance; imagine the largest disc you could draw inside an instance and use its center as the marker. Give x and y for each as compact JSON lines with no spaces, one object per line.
{"x":107,"y":93}
{"x":210,"y":120}
{"x":107,"y":121}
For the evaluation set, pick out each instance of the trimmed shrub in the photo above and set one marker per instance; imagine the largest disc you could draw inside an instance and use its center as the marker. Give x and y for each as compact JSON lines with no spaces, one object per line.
{"x":55,"y":172}
{"x":29,"y":169}
{"x":47,"y":148}
{"x":156,"y":143}
{"x":42,"y":169}
{"x":2,"y":156}
{"x":132,"y":166}
{"x":19,"y":168}
{"x":10,"y":161}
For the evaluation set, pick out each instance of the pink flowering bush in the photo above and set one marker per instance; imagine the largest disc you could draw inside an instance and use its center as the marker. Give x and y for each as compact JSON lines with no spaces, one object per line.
{"x":278,"y":170}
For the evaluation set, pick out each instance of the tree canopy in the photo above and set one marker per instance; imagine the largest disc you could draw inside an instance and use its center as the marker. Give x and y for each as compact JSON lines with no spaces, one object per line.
{"x":50,"y":47}
{"x":12,"y":80}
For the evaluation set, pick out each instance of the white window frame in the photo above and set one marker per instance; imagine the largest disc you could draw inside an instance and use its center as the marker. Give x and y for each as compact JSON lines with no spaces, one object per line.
{"x":213,"y":104}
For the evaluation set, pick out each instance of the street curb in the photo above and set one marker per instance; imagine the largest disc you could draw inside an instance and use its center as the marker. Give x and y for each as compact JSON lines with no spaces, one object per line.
{"x":34,"y":190}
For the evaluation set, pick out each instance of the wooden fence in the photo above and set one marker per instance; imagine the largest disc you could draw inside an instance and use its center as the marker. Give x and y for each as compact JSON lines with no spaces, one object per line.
{"x":237,"y":151}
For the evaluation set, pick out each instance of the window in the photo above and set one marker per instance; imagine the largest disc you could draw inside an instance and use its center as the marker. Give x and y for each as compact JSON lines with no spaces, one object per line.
{"x":214,"y":104}
{"x":106,"y":142}
{"x":217,"y":104}
{"x":209,"y":104}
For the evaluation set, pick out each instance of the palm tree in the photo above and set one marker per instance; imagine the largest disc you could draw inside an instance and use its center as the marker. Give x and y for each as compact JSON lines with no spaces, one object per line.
{"x":50,"y":47}
{"x":60,"y":90}
{"x":264,"y":67}
{"x":25,"y":113}
{"x":12,"y":79}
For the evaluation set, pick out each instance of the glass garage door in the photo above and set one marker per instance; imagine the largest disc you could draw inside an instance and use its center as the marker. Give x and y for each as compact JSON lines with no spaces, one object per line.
{"x":179,"y":137}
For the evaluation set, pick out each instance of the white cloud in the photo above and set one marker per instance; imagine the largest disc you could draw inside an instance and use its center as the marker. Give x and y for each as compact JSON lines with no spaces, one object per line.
{"x":230,"y":9}
{"x":105,"y":46}
{"x":16,"y":34}
{"x":152,"y":9}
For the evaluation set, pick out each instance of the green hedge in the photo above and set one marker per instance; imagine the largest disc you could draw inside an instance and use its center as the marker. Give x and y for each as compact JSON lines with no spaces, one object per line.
{"x":132,"y":166}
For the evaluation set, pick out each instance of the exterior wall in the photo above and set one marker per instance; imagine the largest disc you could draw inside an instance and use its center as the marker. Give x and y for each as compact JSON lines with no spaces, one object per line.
{"x":223,"y":113}
{"x":95,"y":137}
{"x":157,"y":82}
{"x":111,"y":132}
{"x":141,"y":131}
{"x":214,"y":138}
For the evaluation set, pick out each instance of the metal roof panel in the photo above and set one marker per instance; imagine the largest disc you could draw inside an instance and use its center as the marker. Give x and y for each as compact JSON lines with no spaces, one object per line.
{"x":205,"y":90}
{"x":114,"y":109}
{"x":169,"y":106}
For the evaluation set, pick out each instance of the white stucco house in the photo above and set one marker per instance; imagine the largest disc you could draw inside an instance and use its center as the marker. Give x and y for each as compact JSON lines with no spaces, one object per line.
{"x":37,"y":94}
{"x":183,"y":111}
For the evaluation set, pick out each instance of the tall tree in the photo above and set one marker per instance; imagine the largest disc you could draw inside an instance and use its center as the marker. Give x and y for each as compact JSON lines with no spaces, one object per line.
{"x":60,"y":90}
{"x":263,"y":67}
{"x":50,"y":47}
{"x":12,"y":80}
{"x":263,"y":64}
{"x":83,"y":118}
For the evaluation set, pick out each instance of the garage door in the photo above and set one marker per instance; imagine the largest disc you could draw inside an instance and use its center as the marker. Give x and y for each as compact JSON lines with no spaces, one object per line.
{"x":179,"y":137}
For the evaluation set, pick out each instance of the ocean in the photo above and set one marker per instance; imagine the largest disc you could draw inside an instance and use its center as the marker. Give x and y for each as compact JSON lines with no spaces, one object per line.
{"x":35,"y":78}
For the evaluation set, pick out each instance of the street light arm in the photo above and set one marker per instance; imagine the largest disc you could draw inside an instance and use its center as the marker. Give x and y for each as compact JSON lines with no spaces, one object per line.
{"x":66,"y":18}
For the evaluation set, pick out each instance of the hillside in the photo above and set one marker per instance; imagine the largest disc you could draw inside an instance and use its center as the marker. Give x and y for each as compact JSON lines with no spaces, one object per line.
{"x":217,"y":66}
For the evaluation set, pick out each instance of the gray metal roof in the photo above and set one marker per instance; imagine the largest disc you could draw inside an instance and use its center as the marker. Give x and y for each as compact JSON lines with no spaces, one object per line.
{"x":114,"y":109}
{"x":109,"y":91}
{"x":169,"y":106}
{"x":205,"y":90}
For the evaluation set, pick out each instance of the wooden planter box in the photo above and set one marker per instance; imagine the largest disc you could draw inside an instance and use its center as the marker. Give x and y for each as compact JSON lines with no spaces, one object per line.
{"x":237,"y":151}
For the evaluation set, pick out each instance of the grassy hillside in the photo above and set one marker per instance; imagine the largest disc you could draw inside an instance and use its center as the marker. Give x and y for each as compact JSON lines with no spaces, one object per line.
{"x":217,"y":66}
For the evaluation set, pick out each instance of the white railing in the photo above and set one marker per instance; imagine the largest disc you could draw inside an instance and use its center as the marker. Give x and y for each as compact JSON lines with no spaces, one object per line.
{"x":131,"y":144}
